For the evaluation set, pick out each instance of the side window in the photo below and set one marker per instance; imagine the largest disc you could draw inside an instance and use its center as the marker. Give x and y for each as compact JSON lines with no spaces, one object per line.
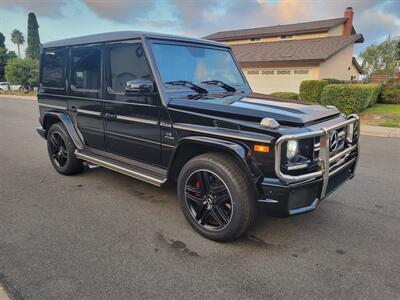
{"x":127,"y":62}
{"x":86,"y":68}
{"x":53,"y":68}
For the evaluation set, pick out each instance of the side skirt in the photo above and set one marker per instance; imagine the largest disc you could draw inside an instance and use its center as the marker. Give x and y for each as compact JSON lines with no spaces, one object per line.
{"x":135,"y":171}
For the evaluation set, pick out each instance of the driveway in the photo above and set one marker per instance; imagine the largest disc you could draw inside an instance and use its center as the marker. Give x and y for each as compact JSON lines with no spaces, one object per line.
{"x":102,"y":235}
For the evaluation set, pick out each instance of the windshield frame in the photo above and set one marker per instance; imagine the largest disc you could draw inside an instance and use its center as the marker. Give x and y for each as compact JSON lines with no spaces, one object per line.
{"x":170,"y":88}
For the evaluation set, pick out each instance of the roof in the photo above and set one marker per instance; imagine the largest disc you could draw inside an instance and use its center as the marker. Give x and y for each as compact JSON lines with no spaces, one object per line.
{"x":357,"y":65}
{"x":318,"y":49}
{"x":277,"y":30}
{"x":122,"y":35}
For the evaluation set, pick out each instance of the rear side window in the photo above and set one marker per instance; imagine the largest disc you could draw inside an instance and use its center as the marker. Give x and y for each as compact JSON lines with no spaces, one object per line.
{"x":85,"y":69}
{"x":127,"y":62}
{"x":53,"y":68}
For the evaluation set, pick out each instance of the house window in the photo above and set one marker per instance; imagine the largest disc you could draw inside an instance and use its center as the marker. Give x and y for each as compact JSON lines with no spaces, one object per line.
{"x":255,"y":39}
{"x":253,"y":72}
{"x":283,"y":72}
{"x":353,"y":78}
{"x":268,"y":72}
{"x":286,"y":37}
{"x":300,"y":71}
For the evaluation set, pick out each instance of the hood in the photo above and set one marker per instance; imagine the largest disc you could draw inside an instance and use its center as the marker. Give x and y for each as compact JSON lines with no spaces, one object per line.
{"x":251,"y":108}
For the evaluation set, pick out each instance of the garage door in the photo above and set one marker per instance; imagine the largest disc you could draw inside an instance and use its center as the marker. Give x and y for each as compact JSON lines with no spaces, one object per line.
{"x":267,"y":81}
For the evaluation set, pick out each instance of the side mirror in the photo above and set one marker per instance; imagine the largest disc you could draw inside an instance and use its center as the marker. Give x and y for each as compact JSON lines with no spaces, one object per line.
{"x":139,"y":86}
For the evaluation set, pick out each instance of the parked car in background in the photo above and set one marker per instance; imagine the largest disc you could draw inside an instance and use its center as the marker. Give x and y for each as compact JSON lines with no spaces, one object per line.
{"x":16,"y":87}
{"x":4,"y":86}
{"x":163,"y":108}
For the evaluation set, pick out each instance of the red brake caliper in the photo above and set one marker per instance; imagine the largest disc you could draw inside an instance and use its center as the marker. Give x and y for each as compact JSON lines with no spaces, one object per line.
{"x":197,"y":186}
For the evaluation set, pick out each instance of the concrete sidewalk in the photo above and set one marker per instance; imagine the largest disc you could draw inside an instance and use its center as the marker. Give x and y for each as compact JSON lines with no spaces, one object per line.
{"x":365,"y":129}
{"x":380,"y":131}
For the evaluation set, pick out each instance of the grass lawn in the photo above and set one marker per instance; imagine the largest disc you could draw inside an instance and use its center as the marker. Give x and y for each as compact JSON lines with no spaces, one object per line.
{"x":18,"y":93}
{"x":386,"y":115}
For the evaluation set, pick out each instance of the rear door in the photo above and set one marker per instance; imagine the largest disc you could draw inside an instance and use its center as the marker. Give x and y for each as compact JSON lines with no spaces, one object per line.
{"x":85,"y":92}
{"x":132,"y":121}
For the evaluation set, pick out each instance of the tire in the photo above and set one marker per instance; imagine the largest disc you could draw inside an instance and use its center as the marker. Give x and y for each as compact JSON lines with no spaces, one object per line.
{"x":210,"y":213}
{"x":61,"y":151}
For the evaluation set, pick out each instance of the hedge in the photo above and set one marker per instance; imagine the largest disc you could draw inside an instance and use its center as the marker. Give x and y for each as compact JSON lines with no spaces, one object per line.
{"x":286,"y":95}
{"x":310,"y":90}
{"x":391,"y":93}
{"x":350,"y":98}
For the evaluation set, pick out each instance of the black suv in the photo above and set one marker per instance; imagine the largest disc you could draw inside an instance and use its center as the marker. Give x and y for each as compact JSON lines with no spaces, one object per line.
{"x":166,"y":108}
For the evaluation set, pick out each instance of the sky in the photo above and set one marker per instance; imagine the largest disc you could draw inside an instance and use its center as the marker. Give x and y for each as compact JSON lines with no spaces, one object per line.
{"x":58,"y":19}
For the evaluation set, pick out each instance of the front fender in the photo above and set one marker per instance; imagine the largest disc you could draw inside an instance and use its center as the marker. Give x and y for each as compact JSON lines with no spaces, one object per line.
{"x":68,"y":124}
{"x":238,"y":151}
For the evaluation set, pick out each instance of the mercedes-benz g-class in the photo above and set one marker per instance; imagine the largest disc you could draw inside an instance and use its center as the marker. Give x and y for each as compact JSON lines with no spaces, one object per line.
{"x":164,"y":108}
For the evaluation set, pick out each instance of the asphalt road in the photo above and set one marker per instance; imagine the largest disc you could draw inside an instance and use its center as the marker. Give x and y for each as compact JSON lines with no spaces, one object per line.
{"x":102,"y":235}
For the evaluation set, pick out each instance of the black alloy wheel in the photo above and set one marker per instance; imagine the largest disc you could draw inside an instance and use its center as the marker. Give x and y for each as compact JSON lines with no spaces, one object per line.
{"x":58,"y":149}
{"x":61,"y":151}
{"x":208,"y":200}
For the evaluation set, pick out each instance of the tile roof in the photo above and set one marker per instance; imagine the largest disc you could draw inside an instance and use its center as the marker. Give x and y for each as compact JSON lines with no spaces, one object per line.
{"x":318,"y":49}
{"x":306,"y":27}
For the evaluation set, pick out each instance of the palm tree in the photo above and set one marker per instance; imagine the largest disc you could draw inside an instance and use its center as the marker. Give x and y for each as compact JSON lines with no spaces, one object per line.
{"x":17,"y":38}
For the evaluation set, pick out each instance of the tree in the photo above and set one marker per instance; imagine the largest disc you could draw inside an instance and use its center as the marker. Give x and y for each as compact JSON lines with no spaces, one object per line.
{"x":2,"y":40}
{"x":22,"y":71}
{"x":17,"y":38}
{"x":11,"y":55}
{"x":380,"y":57}
{"x":3,"y":56}
{"x":33,"y":50}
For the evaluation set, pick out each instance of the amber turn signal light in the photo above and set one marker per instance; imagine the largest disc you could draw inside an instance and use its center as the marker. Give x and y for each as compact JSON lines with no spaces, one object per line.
{"x":261,"y":148}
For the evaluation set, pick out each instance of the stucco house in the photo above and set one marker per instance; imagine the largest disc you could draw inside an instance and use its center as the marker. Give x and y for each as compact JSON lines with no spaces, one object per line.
{"x":278,"y":58}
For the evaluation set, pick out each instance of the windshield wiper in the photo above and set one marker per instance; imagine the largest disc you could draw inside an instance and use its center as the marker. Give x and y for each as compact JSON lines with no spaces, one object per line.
{"x":222,"y":84}
{"x":193,"y":86}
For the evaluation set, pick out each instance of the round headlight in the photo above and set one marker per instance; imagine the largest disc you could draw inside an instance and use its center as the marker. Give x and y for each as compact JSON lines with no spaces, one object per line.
{"x":292,"y":148}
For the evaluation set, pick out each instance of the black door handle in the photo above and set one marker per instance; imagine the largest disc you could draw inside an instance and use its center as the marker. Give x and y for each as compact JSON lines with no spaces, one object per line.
{"x":73,"y":109}
{"x":111,"y":116}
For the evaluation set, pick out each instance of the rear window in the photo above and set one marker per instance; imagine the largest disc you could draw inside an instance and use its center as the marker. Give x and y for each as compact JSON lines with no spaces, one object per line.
{"x":53,"y":68}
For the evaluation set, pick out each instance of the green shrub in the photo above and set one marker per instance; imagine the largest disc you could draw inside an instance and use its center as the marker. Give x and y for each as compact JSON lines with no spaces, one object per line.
{"x":375,"y":90}
{"x":391,"y":93}
{"x":350,"y":98}
{"x":333,"y":81}
{"x":22,"y":71}
{"x":310,"y":90}
{"x":286,"y":95}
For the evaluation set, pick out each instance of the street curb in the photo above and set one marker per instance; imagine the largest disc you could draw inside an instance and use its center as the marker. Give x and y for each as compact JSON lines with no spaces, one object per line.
{"x":380,"y":131}
{"x":30,"y":98}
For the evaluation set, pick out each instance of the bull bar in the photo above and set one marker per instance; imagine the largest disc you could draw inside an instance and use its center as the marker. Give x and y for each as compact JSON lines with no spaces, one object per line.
{"x":324,"y":159}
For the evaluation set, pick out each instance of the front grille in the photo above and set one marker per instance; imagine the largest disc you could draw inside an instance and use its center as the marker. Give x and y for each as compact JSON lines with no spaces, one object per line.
{"x":340,"y":140}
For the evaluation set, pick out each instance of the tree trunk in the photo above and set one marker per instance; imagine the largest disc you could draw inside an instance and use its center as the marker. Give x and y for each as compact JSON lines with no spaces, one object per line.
{"x":19,"y":54}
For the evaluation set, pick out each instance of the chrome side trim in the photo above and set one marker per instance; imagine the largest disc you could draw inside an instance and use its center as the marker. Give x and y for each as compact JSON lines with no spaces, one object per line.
{"x":52,"y":106}
{"x":89,"y":112}
{"x":132,"y":137}
{"x":300,"y":210}
{"x":243,"y":135}
{"x":267,"y":200}
{"x":137,"y":120}
{"x":120,"y":169}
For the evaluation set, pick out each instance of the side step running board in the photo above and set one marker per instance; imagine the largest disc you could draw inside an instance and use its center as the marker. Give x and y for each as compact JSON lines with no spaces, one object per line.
{"x":120,"y":167}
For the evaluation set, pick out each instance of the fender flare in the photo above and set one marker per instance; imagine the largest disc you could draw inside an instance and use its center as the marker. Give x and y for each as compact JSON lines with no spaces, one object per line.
{"x":252,"y":171}
{"x":69,"y":126}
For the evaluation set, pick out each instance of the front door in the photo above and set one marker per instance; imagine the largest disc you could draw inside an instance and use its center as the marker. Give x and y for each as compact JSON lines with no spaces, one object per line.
{"x":131,"y":120}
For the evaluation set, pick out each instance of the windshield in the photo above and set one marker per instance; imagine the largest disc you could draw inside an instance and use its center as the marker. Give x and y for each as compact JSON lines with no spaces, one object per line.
{"x":195,"y":64}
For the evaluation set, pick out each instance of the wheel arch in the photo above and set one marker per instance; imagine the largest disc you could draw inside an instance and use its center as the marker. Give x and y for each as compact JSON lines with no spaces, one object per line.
{"x":193,"y":146}
{"x":51,"y":118}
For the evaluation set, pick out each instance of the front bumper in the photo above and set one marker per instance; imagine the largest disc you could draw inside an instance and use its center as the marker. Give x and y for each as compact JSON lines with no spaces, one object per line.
{"x":302,"y":193}
{"x":300,"y":197}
